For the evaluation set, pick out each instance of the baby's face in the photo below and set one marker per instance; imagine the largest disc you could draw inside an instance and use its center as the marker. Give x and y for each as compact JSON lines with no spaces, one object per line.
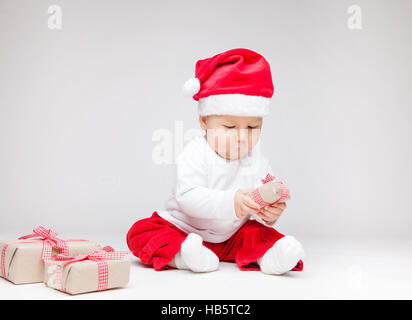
{"x":231,"y":137}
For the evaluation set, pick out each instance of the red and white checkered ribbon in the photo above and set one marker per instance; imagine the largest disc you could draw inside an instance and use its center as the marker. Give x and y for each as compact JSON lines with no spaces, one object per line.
{"x":268,"y":178}
{"x":284,"y":192}
{"x":50,"y":241}
{"x":100,"y":256}
{"x":258,"y":198}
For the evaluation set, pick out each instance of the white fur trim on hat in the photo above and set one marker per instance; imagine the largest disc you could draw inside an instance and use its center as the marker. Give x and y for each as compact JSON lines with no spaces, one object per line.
{"x":235,"y":104}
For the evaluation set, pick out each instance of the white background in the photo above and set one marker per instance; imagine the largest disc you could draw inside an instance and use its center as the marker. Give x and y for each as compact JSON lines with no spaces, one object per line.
{"x":79,"y":106}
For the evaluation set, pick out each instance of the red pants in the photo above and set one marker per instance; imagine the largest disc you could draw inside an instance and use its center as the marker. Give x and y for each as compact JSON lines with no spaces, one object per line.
{"x":156,"y":241}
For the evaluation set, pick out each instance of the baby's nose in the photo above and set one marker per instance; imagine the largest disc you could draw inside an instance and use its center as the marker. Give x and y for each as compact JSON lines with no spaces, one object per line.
{"x":243,"y":134}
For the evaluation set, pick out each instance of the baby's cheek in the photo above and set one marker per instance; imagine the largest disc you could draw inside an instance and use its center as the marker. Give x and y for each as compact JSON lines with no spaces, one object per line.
{"x":254,"y":137}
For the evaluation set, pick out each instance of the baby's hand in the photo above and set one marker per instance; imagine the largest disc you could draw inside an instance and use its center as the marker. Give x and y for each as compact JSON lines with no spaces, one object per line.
{"x":271,"y":214}
{"x":244,"y":205}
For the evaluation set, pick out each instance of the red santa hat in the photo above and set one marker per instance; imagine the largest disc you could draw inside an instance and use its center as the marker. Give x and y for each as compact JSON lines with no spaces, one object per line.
{"x":236,"y":82}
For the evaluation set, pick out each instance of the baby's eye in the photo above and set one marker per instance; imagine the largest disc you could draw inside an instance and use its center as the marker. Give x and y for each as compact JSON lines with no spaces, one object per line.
{"x":229,"y":127}
{"x":252,"y":127}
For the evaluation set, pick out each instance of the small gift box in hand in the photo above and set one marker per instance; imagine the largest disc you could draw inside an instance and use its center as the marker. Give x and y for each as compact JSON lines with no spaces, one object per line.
{"x":97,"y":271}
{"x":270,"y":192}
{"x":22,"y":260}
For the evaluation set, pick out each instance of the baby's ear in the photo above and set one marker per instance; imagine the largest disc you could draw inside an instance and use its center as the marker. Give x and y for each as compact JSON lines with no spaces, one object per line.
{"x":203,"y":122}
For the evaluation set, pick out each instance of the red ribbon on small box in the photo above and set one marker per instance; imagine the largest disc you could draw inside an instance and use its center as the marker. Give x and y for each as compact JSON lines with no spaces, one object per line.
{"x":49,"y":239}
{"x":268,"y":178}
{"x":100,"y":256}
{"x":258,"y":199}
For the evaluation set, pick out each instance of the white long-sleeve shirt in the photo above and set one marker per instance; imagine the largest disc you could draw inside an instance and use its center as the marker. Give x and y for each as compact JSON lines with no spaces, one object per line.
{"x":203,"y":198}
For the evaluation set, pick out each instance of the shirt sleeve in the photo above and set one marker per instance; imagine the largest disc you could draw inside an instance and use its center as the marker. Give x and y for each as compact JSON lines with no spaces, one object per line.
{"x":193,"y":196}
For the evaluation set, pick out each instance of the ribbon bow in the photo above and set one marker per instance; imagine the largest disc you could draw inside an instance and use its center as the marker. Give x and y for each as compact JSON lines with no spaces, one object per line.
{"x":50,"y":241}
{"x":107,"y":253}
{"x":100,"y":256}
{"x":268,"y":178}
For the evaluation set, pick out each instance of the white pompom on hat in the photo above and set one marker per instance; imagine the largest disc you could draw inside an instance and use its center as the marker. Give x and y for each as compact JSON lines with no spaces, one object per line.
{"x":191,"y":87}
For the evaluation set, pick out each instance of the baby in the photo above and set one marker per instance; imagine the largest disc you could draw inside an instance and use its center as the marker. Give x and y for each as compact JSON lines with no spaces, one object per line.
{"x":210,"y":216}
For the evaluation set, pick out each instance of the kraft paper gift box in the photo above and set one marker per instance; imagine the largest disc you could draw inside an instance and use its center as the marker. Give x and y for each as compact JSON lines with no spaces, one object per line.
{"x":270,"y":192}
{"x":100,"y":270}
{"x":22,"y":260}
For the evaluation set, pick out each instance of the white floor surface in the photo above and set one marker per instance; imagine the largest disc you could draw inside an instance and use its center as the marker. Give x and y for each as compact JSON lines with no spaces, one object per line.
{"x":334,"y":269}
